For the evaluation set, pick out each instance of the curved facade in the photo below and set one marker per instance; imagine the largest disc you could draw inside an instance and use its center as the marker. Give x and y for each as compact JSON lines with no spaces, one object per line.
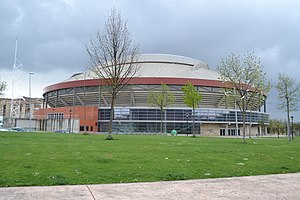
{"x":66,"y":103}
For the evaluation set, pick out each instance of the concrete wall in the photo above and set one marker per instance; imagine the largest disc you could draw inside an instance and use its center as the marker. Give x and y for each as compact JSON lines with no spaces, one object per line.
{"x":62,"y":124}
{"x":214,"y":129}
{"x":25,"y":123}
{"x":210,"y":129}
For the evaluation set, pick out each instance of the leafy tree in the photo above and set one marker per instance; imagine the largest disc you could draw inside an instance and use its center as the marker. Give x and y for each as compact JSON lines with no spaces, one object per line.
{"x":283,"y":127}
{"x":113,"y":58}
{"x":161,"y":99}
{"x":297,"y":128}
{"x":289,"y":96}
{"x":262,"y":125}
{"x":192,"y":99}
{"x":246,"y":77}
{"x":279,"y":127}
{"x":274,"y":126}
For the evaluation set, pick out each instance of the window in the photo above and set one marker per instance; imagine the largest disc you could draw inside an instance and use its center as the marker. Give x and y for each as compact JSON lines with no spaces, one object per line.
{"x":121,"y":113}
{"x":4,"y":110}
{"x":170,"y":115}
{"x":55,"y":116}
{"x":232,"y":132}
{"x":222,"y":131}
{"x":152,"y":114}
{"x":81,"y":128}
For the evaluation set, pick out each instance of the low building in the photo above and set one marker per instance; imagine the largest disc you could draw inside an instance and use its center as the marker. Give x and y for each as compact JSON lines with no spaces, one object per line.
{"x":22,"y":111}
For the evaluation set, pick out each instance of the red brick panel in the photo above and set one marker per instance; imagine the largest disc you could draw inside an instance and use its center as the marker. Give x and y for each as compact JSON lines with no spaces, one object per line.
{"x":87,"y":115}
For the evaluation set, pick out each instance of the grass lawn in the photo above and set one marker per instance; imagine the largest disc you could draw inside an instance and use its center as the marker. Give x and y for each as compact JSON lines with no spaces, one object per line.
{"x":58,"y":159}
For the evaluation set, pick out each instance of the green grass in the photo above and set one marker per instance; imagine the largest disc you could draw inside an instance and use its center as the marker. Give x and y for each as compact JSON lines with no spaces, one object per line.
{"x":59,"y":159}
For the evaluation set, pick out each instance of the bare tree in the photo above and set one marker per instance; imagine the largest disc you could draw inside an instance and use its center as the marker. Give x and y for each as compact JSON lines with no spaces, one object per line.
{"x":246,"y":77}
{"x":289,"y":96}
{"x":3,"y":86}
{"x":113,"y":57}
{"x":161,"y":99}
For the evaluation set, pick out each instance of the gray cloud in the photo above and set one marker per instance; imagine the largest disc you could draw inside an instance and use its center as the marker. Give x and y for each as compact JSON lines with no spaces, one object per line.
{"x":53,"y":33}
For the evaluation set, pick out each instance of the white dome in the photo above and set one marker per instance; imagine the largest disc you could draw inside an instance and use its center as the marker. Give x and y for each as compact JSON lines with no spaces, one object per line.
{"x":165,"y":66}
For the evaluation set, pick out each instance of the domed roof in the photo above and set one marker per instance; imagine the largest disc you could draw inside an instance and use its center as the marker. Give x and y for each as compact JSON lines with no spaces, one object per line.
{"x":165,"y":66}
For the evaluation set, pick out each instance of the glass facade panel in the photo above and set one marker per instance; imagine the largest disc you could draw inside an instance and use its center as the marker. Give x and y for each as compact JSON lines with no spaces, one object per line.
{"x":180,"y":115}
{"x":152,"y":114}
{"x":121,"y":114}
{"x":149,"y":127}
{"x":147,"y":120}
{"x":134,"y":114}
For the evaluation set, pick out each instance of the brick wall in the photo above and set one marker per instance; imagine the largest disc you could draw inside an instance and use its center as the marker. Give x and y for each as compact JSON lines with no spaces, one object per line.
{"x":86,"y":115}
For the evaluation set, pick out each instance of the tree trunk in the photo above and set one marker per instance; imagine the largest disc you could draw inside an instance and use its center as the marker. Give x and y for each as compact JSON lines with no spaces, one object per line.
{"x":112,"y":106}
{"x":161,"y":121}
{"x":194,"y":135}
{"x":250,"y":125}
{"x":250,"y":132}
{"x":244,"y":126}
{"x":288,"y":118}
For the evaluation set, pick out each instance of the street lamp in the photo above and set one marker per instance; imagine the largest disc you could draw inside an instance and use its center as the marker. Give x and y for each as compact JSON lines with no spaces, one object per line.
{"x":30,"y":110}
{"x":70,"y":120}
{"x":292,"y":118}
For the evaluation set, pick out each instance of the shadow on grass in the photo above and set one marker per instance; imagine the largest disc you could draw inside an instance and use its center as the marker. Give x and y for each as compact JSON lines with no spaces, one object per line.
{"x":173,"y":176}
{"x":59,"y":180}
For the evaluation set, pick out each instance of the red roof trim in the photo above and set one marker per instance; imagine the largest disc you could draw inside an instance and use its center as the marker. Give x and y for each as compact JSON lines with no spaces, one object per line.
{"x":137,"y":81}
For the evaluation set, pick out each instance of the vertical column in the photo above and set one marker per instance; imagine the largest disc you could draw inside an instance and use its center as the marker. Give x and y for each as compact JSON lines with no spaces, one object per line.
{"x":165,"y":123}
{"x":72,"y":116}
{"x":259,"y":103}
{"x":46,"y":101}
{"x":99,"y":105}
{"x":226,"y":130}
{"x":131,"y":96}
{"x":74,"y":94}
{"x":99,"y":102}
{"x":56,"y":98}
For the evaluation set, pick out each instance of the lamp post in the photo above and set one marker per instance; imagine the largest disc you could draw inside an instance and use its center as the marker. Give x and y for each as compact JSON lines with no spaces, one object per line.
{"x":70,"y":121}
{"x":292,"y":131}
{"x":30,"y":110}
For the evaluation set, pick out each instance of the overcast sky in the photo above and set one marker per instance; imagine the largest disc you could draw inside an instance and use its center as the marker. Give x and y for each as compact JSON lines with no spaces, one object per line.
{"x":52,"y":35}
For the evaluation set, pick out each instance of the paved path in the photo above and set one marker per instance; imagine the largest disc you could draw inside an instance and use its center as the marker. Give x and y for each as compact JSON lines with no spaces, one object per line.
{"x":282,"y":186}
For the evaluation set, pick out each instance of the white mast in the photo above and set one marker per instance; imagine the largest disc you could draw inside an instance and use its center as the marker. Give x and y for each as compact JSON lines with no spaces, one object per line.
{"x":16,"y":88}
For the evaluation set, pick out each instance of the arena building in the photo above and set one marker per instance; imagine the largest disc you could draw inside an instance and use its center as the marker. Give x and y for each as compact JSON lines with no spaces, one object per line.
{"x":82,"y":102}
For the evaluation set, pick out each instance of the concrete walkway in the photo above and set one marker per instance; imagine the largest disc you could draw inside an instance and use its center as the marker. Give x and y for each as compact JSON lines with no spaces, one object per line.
{"x":282,"y":186}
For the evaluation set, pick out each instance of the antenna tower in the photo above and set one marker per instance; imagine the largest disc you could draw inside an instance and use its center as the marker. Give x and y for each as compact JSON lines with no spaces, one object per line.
{"x":16,"y":88}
